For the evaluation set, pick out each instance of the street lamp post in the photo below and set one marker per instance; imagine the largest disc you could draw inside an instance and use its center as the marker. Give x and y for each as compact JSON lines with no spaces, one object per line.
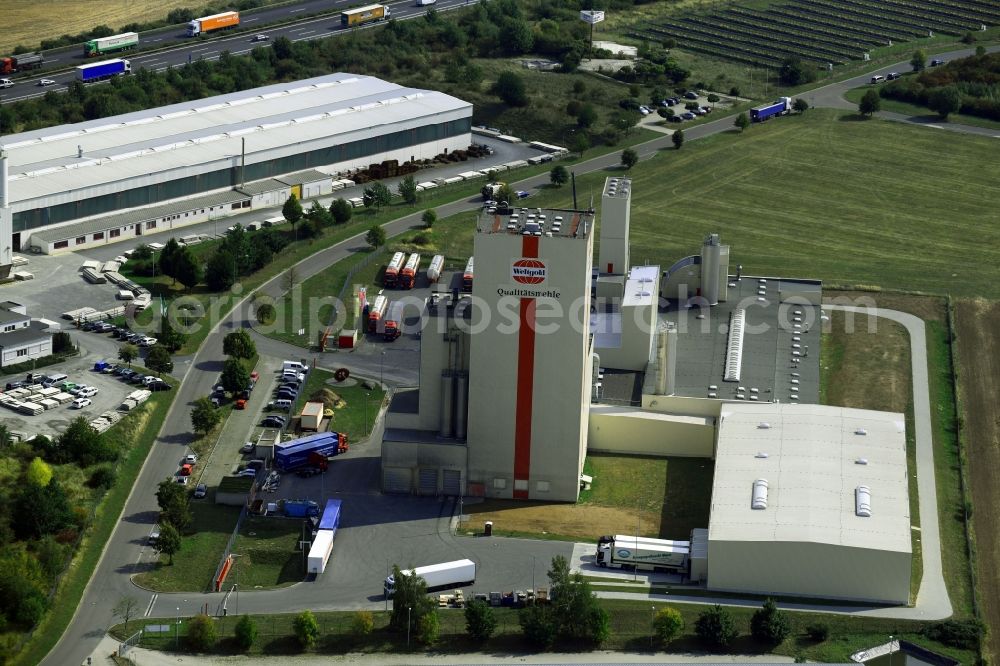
{"x":890,"y":649}
{"x":652,"y":627}
{"x":408,"y":609}
{"x":177,"y":626}
{"x":381,"y":370}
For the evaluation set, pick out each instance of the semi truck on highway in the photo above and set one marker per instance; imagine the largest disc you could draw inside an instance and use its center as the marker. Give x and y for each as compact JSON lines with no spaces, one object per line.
{"x":642,"y":553}
{"x":446,"y":574}
{"x":391,"y":276}
{"x":20,"y":63}
{"x":408,"y":277}
{"x":778,"y":108}
{"x":103,"y":70}
{"x":361,"y":15}
{"x":212,"y":23}
{"x":105,"y":45}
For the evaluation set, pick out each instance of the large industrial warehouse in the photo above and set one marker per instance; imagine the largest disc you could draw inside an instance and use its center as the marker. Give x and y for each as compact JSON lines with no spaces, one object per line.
{"x":551,"y":359}
{"x":76,"y":186}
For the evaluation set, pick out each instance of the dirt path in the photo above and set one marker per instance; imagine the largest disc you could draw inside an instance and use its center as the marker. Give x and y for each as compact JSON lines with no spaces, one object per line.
{"x":977,"y":325}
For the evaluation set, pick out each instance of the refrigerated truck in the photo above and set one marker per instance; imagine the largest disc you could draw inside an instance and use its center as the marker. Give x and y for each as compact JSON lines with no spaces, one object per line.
{"x":361,"y":15}
{"x":446,"y":574}
{"x":105,"y":45}
{"x":103,"y":70}
{"x":642,"y":553}
{"x":212,"y":23}
{"x":319,"y":552}
{"x":468,"y":275}
{"x":299,"y":452}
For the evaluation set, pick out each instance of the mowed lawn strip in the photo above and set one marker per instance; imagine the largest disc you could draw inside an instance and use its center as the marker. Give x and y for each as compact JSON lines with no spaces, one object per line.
{"x":821,"y":195}
{"x":658,"y":497}
{"x":630,"y":624}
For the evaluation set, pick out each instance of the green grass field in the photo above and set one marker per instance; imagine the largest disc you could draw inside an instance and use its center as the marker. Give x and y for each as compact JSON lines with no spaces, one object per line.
{"x":870,"y":203}
{"x":629,"y":624}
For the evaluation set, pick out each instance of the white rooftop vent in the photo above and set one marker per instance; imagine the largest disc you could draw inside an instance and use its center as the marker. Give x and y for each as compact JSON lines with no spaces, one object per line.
{"x":795,"y":381}
{"x":713,"y":395}
{"x":761,"y":454}
{"x":798,"y":312}
{"x":712,"y":387}
{"x":794,"y":396}
{"x":796,"y":338}
{"x":795,"y":374}
{"x":755,"y":390}
{"x":734,"y":350}
{"x":861,"y":461}
{"x":761,"y":299}
{"x":763,"y":425}
{"x":863,"y":502}
{"x":759,"y":501}
{"x":753,"y":397}
{"x":860,"y":431}
{"x":762,"y":280}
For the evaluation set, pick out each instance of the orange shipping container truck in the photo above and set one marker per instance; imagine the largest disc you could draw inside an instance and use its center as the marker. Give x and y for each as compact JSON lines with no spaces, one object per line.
{"x":213,"y":22}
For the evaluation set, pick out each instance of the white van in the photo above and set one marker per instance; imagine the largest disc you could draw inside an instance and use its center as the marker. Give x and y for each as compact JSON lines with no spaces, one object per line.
{"x":54,"y":379}
{"x":6,"y":83}
{"x":878,"y":78}
{"x":283,"y":404}
{"x":294,"y":365}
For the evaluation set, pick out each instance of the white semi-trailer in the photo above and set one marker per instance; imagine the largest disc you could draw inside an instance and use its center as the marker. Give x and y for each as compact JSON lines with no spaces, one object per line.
{"x":642,"y":553}
{"x":446,"y":574}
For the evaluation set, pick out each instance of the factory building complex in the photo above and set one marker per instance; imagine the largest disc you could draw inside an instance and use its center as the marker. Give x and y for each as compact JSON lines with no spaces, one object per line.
{"x":558,"y":352}
{"x":90,"y":183}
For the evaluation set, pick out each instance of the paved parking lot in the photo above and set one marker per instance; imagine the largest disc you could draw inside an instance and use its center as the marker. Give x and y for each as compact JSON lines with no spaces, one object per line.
{"x":58,"y":287}
{"x":52,"y":422}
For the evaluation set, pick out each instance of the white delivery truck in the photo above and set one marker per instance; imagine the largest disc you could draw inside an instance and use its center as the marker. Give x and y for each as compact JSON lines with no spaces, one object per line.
{"x":446,"y":574}
{"x":642,"y":553}
{"x":319,"y":553}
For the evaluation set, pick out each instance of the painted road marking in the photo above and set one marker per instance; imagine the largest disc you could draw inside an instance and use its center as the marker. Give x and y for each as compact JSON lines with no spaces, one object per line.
{"x":152,"y":600}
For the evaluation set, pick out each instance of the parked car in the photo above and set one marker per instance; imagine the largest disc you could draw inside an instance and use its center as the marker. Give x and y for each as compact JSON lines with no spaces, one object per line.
{"x":190,"y":459}
{"x":80,"y":403}
{"x":147,"y":342}
{"x":706,"y":109}
{"x":159,"y":385}
{"x":688,"y":116}
{"x":522,"y":194}
{"x":936,"y":61}
{"x":200,"y":491}
{"x":183,"y":480}
{"x":690,"y":94}
{"x":644,"y":110}
{"x":240,"y":403}
{"x":154,"y":535}
{"x":273,"y":422}
{"x":248,"y":447}
{"x":15,"y":385}
{"x":676,"y":118}
{"x":248,"y":473}
{"x":892,"y":76}
{"x":85,"y":391}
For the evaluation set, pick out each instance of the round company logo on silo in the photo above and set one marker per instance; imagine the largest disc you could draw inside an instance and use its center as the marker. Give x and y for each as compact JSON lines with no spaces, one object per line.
{"x":528,"y":271}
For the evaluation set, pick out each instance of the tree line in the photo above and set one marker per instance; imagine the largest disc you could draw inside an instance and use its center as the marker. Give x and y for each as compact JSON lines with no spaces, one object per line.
{"x":968,"y":85}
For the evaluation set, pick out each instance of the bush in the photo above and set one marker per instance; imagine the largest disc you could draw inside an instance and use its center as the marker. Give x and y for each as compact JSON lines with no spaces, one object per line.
{"x":480,"y":620}
{"x":202,"y":634}
{"x":362,"y":624}
{"x":246,"y":632}
{"x":769,"y":625}
{"x":428,"y":626}
{"x":538,"y":625}
{"x":963,"y":634}
{"x":266,"y":314}
{"x":668,"y":625}
{"x":716,"y":627}
{"x":421,"y":239}
{"x":61,"y":343}
{"x":818,"y":632}
{"x":511,"y":89}
{"x":306,"y":629}
{"x":103,"y":477}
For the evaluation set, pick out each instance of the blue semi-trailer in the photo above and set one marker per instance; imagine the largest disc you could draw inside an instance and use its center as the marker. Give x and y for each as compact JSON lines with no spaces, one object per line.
{"x":779,"y":108}
{"x":312,"y":449}
{"x":103,"y":70}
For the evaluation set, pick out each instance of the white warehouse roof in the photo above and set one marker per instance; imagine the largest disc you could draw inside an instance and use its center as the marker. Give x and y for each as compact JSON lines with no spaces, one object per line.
{"x":809,"y":456}
{"x":46,"y":162}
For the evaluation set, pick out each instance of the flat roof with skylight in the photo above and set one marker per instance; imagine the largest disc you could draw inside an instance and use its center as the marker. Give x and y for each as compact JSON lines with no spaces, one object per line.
{"x":830,"y":475}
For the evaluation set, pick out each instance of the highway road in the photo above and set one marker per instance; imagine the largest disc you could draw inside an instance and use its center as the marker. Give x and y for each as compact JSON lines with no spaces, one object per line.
{"x":178,"y":49}
{"x":126,"y":551}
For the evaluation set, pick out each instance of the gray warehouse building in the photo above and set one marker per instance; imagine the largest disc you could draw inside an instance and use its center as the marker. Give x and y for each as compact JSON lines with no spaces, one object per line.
{"x":80,"y":185}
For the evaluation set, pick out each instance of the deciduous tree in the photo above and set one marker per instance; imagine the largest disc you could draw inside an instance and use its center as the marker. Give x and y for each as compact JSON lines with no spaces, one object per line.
{"x":946,"y":100}
{"x":306,"y":629}
{"x":375,"y":236}
{"x":408,"y":189}
{"x":239,"y":344}
{"x":158,"y":359}
{"x":169,"y":541}
{"x":292,"y":210}
{"x":204,"y":416}
{"x":202,"y":633}
{"x":429,"y":218}
{"x":678,"y":138}
{"x":341,"y":210}
{"x":919,"y":60}
{"x":235,"y":377}
{"x":128,"y":353}
{"x":480,"y":620}
{"x":629,"y":158}
{"x":742,"y":122}
{"x":172,"y":499}
{"x":870,"y":103}
{"x":716,"y":627}
{"x":559,"y":175}
{"x":126,"y":609}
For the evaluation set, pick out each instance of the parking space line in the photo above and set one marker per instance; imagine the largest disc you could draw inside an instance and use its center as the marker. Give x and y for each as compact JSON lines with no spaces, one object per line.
{"x":152,"y":600}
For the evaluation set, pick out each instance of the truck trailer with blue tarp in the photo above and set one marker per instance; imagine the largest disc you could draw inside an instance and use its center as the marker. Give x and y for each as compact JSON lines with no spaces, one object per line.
{"x":103,"y":70}
{"x":312,"y":449}
{"x":331,"y":516}
{"x":779,"y":107}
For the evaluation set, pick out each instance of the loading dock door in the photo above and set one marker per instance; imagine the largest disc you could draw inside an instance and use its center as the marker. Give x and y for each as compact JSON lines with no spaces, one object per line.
{"x":452,"y":482}
{"x":428,"y":481}
{"x":397,"y":480}
{"x":297,"y":191}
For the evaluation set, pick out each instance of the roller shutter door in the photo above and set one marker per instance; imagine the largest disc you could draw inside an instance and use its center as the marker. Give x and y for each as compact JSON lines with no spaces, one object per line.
{"x":452,"y":482}
{"x":428,"y":481}
{"x":396,"y":480}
